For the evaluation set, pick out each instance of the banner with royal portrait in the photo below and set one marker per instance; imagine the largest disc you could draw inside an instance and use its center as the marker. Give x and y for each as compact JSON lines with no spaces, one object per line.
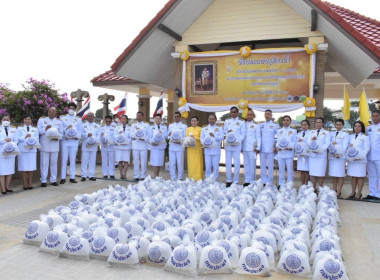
{"x":279,"y":79}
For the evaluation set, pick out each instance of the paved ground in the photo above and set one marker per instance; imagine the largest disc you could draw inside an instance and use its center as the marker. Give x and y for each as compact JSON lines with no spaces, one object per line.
{"x":360,"y":236}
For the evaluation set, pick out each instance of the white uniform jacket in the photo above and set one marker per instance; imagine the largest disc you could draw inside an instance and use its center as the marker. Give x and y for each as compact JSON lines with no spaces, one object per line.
{"x":21,"y":133}
{"x":164,"y":130}
{"x":75,"y":122}
{"x":238,"y":127}
{"x":46,"y":144}
{"x":362,"y":143}
{"x":127,"y":134}
{"x":92,"y":128}
{"x":140,"y":143}
{"x":252,"y":140}
{"x":177,"y":126}
{"x":324,"y":138}
{"x":218,"y":136}
{"x":108,"y":130}
{"x":290,"y":135}
{"x":373,"y":132}
{"x":341,"y":139}
{"x":268,"y":131}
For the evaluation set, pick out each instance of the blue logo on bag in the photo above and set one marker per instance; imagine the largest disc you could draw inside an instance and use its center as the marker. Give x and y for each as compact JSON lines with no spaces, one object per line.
{"x":181,"y":254}
{"x":99,"y":241}
{"x":293,"y":261}
{"x":122,"y":249}
{"x":33,"y":226}
{"x":155,"y":253}
{"x":74,"y":241}
{"x":253,"y":260}
{"x":215,"y":256}
{"x":52,"y":236}
{"x":332,"y":266}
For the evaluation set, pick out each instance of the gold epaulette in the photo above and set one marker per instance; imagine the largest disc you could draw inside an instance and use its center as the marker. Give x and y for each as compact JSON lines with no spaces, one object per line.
{"x":13,"y":126}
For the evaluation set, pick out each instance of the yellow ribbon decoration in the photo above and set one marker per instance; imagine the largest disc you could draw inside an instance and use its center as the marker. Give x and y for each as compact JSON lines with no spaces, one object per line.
{"x":185,"y":115}
{"x":243,"y":105}
{"x":183,"y":107}
{"x":310,"y":108}
{"x":184,"y":55}
{"x":245,"y":51}
{"x":182,"y":101}
{"x":311,"y":48}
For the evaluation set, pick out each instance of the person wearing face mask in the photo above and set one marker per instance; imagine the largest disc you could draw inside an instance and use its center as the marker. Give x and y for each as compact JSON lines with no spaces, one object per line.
{"x":251,"y":146}
{"x":7,"y":163}
{"x":123,"y":150}
{"x":116,"y":120}
{"x":141,"y":135}
{"x":212,"y":153}
{"x":49,"y":147}
{"x":195,"y":154}
{"x":89,"y":148}
{"x":237,"y":128}
{"x":157,"y":150}
{"x":70,"y":143}
{"x":286,"y":140}
{"x":27,"y":159}
{"x":337,"y":163}
{"x":268,"y":131}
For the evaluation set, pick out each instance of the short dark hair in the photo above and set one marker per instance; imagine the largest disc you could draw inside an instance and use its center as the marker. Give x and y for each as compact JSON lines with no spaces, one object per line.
{"x":213,"y":115}
{"x":115,"y":116}
{"x":108,"y":117}
{"x":124,"y":116}
{"x":361,"y":124}
{"x":158,"y":115}
{"x":194,"y":117}
{"x":320,"y":118}
{"x":234,"y":107}
{"x":306,"y":121}
{"x":72,"y":104}
{"x":268,"y":110}
{"x":5,"y":114}
{"x":27,"y":116}
{"x":339,"y":120}
{"x":376,"y":112}
{"x":287,"y":116}
{"x":139,"y":112}
{"x":177,"y":113}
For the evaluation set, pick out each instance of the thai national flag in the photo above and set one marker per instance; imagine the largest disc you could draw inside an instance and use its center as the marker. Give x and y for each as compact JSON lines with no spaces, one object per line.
{"x":121,"y":109}
{"x":160,"y":106}
{"x":85,"y":109}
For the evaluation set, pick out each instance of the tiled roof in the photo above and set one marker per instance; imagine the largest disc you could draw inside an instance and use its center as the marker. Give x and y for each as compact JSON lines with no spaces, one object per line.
{"x":362,"y":28}
{"x":109,"y":76}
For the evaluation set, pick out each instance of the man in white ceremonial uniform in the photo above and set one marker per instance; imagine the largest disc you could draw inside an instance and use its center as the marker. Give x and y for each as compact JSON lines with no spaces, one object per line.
{"x":70,"y":143}
{"x":373,"y":156}
{"x":49,"y":147}
{"x":286,"y":140}
{"x":106,"y":132}
{"x":212,"y":154}
{"x":337,"y":163}
{"x":141,"y":135}
{"x":251,"y":145}
{"x":89,"y":149}
{"x":157,"y":150}
{"x":237,"y":127}
{"x":268,"y":131}
{"x":176,"y":151}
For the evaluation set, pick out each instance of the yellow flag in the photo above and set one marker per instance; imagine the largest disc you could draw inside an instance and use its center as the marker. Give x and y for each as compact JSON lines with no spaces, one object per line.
{"x":346,"y":106}
{"x":364,"y":114}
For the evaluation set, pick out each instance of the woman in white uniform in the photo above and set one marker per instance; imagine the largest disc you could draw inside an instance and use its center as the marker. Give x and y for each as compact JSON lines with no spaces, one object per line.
{"x":357,"y":169}
{"x":337,"y":162}
{"x":157,"y":149}
{"x":303,"y":161}
{"x":27,"y":159}
{"x":7,"y":163}
{"x":123,"y":149}
{"x":318,"y":142}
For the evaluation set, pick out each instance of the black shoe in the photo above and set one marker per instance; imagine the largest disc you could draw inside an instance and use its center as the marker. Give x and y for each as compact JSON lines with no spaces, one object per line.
{"x":245,"y":184}
{"x":43,"y":185}
{"x":112,"y":177}
{"x":92,"y":179}
{"x":62,"y":181}
{"x":8,"y":190}
{"x":228,"y":184}
{"x":4,"y":192}
{"x":142,"y":179}
{"x":116,"y":166}
{"x":105,"y":177}
{"x":368,"y":197}
{"x":73,"y":181}
{"x":83,"y":179}
{"x":55,"y":183}
{"x":136,"y":179}
{"x":30,"y":188}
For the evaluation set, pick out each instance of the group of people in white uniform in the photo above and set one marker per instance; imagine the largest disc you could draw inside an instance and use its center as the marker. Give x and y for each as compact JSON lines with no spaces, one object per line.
{"x":319,"y":148}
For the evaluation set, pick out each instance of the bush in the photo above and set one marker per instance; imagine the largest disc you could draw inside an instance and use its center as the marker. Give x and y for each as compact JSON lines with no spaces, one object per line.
{"x":35,"y":100}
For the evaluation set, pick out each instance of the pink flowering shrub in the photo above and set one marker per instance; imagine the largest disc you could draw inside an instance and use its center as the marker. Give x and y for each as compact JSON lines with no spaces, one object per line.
{"x":35,"y":100}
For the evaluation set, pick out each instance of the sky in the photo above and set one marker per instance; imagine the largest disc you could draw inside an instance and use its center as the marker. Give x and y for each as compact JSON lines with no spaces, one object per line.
{"x":70,"y":42}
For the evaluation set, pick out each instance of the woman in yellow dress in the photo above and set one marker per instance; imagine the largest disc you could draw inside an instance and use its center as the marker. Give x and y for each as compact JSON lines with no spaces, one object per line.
{"x":195,"y":154}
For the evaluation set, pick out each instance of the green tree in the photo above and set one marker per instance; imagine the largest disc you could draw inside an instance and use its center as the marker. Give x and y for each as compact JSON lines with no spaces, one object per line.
{"x":279,"y":121}
{"x":99,"y":113}
{"x":354,"y":115}
{"x":327,"y":115}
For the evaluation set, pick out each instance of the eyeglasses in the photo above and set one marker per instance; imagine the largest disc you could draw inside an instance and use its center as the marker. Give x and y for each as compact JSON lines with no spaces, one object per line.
{"x":233,"y":112}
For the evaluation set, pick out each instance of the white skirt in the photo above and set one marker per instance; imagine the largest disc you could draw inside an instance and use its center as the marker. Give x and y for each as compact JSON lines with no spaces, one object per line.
{"x":122,"y":155}
{"x":157,"y":157}
{"x":337,"y":167}
{"x":27,"y":162}
{"x":356,"y":169}
{"x":303,"y":163}
{"x":7,"y":165}
{"x":317,"y":166}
